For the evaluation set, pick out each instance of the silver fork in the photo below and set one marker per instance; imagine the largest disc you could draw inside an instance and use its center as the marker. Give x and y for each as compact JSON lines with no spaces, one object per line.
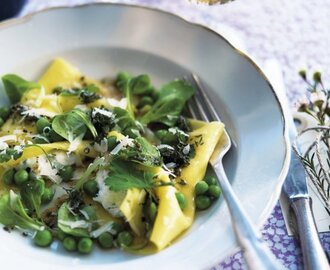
{"x":256,"y":253}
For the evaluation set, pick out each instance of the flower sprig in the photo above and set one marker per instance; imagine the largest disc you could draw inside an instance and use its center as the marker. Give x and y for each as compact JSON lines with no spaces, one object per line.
{"x":316,"y":158}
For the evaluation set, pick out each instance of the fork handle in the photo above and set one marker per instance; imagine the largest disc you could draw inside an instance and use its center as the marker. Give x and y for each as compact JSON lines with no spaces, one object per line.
{"x":256,"y":253}
{"x":313,"y":254}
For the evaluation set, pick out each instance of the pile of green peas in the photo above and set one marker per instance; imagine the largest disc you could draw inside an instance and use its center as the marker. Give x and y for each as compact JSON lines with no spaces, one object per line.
{"x":207,"y":191}
{"x":21,"y":177}
{"x":44,"y":128}
{"x":4,"y":114}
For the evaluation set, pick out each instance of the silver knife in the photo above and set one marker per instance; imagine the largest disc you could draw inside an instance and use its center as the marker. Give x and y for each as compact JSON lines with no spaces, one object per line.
{"x":295,"y":187}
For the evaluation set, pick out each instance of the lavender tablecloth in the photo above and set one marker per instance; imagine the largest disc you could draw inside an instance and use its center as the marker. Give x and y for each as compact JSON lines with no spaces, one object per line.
{"x":295,"y":32}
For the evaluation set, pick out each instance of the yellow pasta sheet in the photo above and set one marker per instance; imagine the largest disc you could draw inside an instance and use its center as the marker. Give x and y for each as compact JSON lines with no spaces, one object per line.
{"x":171,"y":221}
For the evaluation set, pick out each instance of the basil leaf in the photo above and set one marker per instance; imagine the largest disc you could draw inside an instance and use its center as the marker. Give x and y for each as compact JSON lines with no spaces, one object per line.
{"x":127,"y":124}
{"x":72,"y":125}
{"x":140,"y":85}
{"x":12,"y":213}
{"x":169,"y":105}
{"x":16,"y":86}
{"x":71,"y":224}
{"x":124,"y":176}
{"x":31,"y":194}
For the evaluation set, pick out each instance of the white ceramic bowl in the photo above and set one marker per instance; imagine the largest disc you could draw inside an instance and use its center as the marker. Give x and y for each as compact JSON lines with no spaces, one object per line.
{"x":106,"y":38}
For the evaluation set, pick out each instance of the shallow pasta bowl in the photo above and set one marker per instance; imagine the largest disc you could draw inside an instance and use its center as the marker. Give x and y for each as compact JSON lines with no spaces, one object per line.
{"x":103,"y":39}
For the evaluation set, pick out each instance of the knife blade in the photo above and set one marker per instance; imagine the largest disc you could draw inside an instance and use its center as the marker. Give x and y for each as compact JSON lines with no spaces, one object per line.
{"x":295,"y":188}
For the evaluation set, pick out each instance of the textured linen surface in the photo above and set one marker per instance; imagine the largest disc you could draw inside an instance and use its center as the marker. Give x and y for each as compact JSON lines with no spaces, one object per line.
{"x":295,"y":32}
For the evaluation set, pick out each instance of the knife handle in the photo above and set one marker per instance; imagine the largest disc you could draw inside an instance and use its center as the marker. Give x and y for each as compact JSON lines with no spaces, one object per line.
{"x":313,"y":254}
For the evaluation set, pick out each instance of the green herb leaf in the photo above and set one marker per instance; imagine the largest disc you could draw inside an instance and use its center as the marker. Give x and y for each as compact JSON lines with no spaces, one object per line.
{"x":87,"y":94}
{"x":72,"y":224}
{"x":140,"y":85}
{"x":128,"y":126}
{"x":31,"y":194}
{"x":142,"y":152}
{"x":72,"y":125}
{"x":91,"y":168}
{"x":124,"y":175}
{"x":16,"y":86}
{"x":168,"y":107}
{"x":12,"y":213}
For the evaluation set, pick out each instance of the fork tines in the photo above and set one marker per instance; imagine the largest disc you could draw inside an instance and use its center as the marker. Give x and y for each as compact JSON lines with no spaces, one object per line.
{"x":200,"y":106}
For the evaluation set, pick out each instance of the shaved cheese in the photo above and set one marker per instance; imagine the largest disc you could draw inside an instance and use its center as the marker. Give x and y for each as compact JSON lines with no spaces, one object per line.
{"x":75,"y":224}
{"x":186,"y":149}
{"x":117,"y":103}
{"x":8,"y":138}
{"x":126,"y":141}
{"x":109,"y":199}
{"x":45,"y":169}
{"x":38,"y":112}
{"x":102,"y":111}
{"x":105,"y":228}
{"x":82,"y":107}
{"x":171,"y":165}
{"x":3,"y":145}
{"x":101,"y":147}
{"x":162,"y":146}
{"x":74,"y":144}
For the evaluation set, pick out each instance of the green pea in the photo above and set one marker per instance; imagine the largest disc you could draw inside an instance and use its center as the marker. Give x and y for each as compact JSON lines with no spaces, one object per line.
{"x":90,"y":211}
{"x":145,"y":109}
{"x":47,"y":196}
{"x":4,"y":112}
{"x":125,"y":238}
{"x":145,"y":101}
{"x":21,"y":177}
{"x":38,"y":140}
{"x":85,"y":245}
{"x":1,"y":122}
{"x":202,"y":202}
{"x":201,"y":187}
{"x":112,"y":142}
{"x":152,"y":211}
{"x":181,"y":199}
{"x":214,"y":191}
{"x":91,"y":188}
{"x":69,"y":243}
{"x":41,"y":124}
{"x":211,"y":180}
{"x":161,"y":134}
{"x":43,"y":238}
{"x":116,"y":228}
{"x":8,"y":177}
{"x":61,"y":235}
{"x":54,"y":137}
{"x":33,"y":176}
{"x":105,"y":240}
{"x":66,"y":173}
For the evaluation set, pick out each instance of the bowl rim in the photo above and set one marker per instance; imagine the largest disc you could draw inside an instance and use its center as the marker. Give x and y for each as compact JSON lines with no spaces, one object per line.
{"x":285,"y":134}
